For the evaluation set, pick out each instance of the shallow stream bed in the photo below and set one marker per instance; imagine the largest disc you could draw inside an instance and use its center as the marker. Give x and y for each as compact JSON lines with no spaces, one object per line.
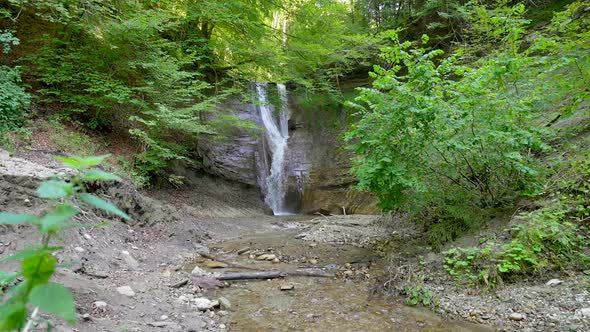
{"x":343,"y":303}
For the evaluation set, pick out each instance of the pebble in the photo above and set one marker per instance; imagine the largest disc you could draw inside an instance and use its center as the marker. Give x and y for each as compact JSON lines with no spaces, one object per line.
{"x":201,"y":249}
{"x":312,"y":245}
{"x":198,"y":272}
{"x":87,"y":236}
{"x":266,"y":257}
{"x":79,"y":249}
{"x":222,"y":326}
{"x":313,"y":261}
{"x":585,"y":312}
{"x":126,"y":290}
{"x":163,"y":317}
{"x":286,"y":287}
{"x":516,"y":316}
{"x":276,"y":260}
{"x":348,"y":273}
{"x":203,"y":303}
{"x":553,"y":282}
{"x":86,"y":317}
{"x":224,"y":303}
{"x":100,"y":304}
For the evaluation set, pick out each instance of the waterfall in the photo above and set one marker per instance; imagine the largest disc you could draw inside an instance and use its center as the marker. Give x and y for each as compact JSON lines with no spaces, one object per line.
{"x":277,"y":134}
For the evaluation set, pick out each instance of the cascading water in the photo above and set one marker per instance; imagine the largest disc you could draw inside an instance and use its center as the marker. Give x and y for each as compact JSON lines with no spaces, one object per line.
{"x":277,"y":135}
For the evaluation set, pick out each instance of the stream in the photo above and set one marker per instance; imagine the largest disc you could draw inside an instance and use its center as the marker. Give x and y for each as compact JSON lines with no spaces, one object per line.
{"x":344,"y":303}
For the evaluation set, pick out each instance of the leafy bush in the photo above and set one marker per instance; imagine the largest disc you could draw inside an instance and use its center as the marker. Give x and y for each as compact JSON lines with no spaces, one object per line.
{"x":31,"y":285}
{"x":14,"y":101}
{"x":442,"y":135}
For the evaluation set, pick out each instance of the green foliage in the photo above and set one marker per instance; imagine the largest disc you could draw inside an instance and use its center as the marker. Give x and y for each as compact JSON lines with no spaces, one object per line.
{"x":441,"y":136}
{"x":418,"y":294}
{"x":14,"y":101}
{"x":38,"y":261}
{"x":544,"y":240}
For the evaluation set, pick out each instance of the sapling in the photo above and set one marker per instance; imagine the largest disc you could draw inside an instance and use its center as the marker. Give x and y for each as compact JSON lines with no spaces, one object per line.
{"x":31,"y":286}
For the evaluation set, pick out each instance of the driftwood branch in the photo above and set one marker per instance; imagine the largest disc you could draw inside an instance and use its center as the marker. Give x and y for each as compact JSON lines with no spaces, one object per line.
{"x":273,"y":275}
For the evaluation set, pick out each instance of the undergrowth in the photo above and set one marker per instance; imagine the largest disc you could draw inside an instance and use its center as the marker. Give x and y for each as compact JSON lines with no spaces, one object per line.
{"x":553,"y":238}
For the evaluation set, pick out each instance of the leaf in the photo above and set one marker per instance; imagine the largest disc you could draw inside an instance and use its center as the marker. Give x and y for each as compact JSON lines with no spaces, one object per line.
{"x":56,"y":219}
{"x":54,"y":298}
{"x":55,"y":189}
{"x":8,"y":278}
{"x":23,"y":254}
{"x":39,"y":269}
{"x":12,"y":316}
{"x":98,"y":175}
{"x":103,"y":205}
{"x":82,"y":162}
{"x":8,"y":218}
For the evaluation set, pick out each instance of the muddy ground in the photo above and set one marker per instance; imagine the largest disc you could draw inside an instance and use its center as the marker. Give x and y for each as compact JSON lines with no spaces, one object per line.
{"x":175,"y":230}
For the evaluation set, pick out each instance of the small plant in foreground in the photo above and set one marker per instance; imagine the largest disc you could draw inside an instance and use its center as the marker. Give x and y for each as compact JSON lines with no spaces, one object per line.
{"x":38,"y":260}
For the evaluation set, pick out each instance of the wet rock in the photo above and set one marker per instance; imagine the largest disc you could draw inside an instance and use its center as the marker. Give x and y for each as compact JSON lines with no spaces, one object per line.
{"x":224,"y":303}
{"x":286,"y":287}
{"x":215,"y":265}
{"x":553,"y":282}
{"x":198,"y":272}
{"x":126,"y":290}
{"x":203,"y":303}
{"x":516,"y":316}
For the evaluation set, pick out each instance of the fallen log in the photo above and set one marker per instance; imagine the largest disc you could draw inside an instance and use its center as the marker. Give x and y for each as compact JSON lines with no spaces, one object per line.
{"x":272,"y":275}
{"x":251,"y":275}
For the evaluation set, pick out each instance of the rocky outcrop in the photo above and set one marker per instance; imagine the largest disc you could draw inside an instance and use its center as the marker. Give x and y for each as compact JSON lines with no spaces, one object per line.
{"x":316,"y":165}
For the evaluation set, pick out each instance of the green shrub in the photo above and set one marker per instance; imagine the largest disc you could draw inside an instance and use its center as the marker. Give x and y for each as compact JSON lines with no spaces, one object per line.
{"x":544,"y":240}
{"x":14,"y":101}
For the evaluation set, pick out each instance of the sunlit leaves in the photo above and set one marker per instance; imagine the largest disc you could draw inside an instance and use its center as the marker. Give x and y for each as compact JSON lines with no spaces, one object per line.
{"x":39,"y":268}
{"x":103,"y":205}
{"x":54,"y":298}
{"x":55,"y":189}
{"x":98,"y":175}
{"x":57,"y":218}
{"x":8,"y":218}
